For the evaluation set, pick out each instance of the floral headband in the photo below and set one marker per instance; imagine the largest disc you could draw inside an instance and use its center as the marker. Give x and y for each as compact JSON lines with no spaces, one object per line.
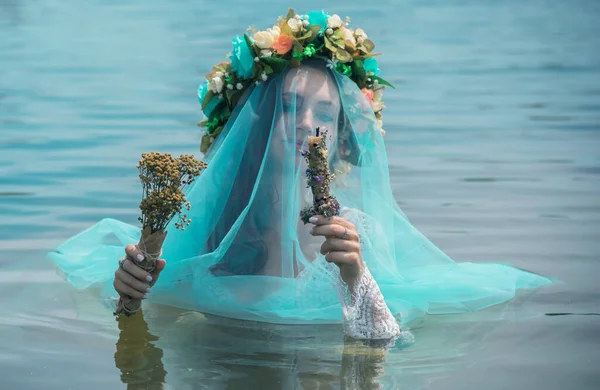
{"x":292,"y":40}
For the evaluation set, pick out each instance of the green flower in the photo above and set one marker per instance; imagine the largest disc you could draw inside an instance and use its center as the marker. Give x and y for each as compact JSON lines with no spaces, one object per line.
{"x":344,"y":69}
{"x":310,"y":50}
{"x":212,"y":124}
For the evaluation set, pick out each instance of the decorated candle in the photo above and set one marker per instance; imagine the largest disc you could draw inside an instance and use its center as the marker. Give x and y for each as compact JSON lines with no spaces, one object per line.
{"x":319,"y":178}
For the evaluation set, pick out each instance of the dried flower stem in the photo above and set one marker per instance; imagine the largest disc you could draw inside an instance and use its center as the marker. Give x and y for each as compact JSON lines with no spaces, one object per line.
{"x":164,"y":179}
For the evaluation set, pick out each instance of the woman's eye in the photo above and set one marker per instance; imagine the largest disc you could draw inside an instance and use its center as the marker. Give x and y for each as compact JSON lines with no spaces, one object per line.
{"x":325,"y":116}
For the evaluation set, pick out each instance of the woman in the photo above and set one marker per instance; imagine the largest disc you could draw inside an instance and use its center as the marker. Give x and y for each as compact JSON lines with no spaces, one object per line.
{"x":247,"y":254}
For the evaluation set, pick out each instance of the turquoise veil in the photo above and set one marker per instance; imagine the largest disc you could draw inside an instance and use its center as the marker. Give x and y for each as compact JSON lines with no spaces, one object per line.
{"x":247,"y":255}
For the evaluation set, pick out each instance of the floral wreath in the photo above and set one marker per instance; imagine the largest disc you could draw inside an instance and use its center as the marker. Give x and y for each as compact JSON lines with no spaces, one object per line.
{"x":292,"y":40}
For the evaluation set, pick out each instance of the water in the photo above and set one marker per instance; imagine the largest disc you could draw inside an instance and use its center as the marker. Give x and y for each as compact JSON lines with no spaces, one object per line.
{"x":494,"y":139}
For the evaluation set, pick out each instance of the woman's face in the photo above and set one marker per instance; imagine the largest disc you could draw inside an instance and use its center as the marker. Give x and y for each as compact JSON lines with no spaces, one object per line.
{"x":311,"y":94}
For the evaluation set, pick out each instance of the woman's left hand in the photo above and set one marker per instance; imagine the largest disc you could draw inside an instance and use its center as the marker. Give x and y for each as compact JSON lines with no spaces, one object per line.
{"x":341,"y":246}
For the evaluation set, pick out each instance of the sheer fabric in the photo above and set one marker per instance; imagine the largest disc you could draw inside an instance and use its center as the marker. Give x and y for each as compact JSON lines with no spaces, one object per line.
{"x":247,"y":255}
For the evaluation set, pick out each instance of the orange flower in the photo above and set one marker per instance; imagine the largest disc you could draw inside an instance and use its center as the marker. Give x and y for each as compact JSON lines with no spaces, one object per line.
{"x":283,"y":44}
{"x":368,"y":94}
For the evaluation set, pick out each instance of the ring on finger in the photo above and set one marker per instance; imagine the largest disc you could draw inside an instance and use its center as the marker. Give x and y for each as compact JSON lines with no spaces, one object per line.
{"x":345,"y":233}
{"x":121,"y":263}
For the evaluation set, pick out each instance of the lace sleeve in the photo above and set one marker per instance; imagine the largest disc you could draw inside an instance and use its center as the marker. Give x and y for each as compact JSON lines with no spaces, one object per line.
{"x":366,"y":315}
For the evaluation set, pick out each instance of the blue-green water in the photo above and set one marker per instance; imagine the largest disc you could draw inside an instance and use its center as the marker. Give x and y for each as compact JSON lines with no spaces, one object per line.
{"x":494,"y":142}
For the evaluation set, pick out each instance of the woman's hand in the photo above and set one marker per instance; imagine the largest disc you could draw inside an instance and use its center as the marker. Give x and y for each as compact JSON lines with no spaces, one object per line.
{"x":341,"y":246}
{"x":133,"y":281}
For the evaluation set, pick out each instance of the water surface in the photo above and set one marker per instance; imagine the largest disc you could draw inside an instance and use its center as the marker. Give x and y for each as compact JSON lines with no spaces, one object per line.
{"x":493,"y":135}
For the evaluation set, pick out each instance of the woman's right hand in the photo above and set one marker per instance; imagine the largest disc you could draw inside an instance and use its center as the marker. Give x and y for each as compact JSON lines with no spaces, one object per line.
{"x":133,"y":281}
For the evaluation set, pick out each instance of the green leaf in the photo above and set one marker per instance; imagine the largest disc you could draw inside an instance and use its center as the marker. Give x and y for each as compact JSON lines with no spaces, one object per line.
{"x":339,"y":43}
{"x":358,"y":69}
{"x":305,"y":36}
{"x":330,"y":45}
{"x":268,"y":69}
{"x":314,"y":29}
{"x":235,"y":98}
{"x":205,"y":143}
{"x":291,"y":13}
{"x":225,"y":112}
{"x":368,"y":45}
{"x":278,"y":65}
{"x":207,"y":99}
{"x":251,"y":45}
{"x":229,"y":94}
{"x":382,"y":81}
{"x":343,"y":56}
{"x":297,"y":47}
{"x":286,"y":29}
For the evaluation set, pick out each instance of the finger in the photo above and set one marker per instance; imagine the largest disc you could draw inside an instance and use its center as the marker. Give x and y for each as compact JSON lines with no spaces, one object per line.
{"x":336,"y":231}
{"x":321,"y":220}
{"x":342,"y":258}
{"x":124,"y":289}
{"x":336,"y":244}
{"x":160,"y":265}
{"x":133,"y":252}
{"x":136,"y":271}
{"x":131,"y":281}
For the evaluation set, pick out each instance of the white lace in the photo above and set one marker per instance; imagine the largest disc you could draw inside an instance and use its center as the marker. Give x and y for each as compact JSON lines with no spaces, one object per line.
{"x":365,"y":313}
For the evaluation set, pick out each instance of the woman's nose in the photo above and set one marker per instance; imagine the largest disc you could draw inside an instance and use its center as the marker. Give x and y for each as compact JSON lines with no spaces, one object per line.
{"x":304,"y":120}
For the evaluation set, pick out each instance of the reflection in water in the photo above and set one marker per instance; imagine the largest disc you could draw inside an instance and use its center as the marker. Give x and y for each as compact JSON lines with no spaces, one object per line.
{"x":200,"y":351}
{"x":208,"y":351}
{"x":362,"y":365}
{"x":137,"y":356}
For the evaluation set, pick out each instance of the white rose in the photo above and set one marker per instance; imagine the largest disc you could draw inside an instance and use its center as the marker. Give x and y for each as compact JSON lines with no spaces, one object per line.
{"x":348,"y":36}
{"x":294,"y":24}
{"x":378,"y":95}
{"x":334,"y":21}
{"x":379,"y":123}
{"x":265,"y":53}
{"x":377,"y":106}
{"x":263,"y":39}
{"x":359,"y":32}
{"x":275,"y":31}
{"x":216,"y":84}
